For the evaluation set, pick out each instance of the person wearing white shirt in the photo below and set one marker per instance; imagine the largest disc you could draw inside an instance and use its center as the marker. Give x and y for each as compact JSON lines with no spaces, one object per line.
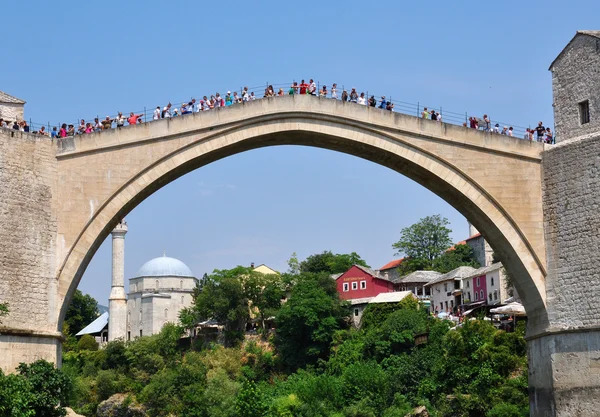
{"x":334,"y":91}
{"x":362,"y":100}
{"x":156,"y":114}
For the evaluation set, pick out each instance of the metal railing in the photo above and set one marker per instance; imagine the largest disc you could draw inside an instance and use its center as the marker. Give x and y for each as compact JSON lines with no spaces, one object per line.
{"x":412,"y":109}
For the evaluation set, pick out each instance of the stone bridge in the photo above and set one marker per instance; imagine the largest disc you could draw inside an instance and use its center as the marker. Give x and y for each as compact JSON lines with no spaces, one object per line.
{"x":58,"y":206}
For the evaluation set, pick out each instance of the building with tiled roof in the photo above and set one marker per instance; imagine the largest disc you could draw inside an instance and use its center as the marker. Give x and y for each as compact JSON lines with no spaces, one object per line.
{"x":390,"y":270}
{"x":446,"y":290}
{"x":362,"y":282}
{"x":11,"y":107}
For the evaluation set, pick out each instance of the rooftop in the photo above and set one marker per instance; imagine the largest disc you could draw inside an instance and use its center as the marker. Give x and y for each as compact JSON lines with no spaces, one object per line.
{"x":593,"y":33}
{"x":164,"y":267}
{"x":96,"y":326}
{"x":392,"y":264}
{"x":372,"y":272}
{"x":390,"y":297}
{"x":484,"y":270}
{"x":458,"y":273}
{"x":418,"y":276}
{"x":7,"y":98}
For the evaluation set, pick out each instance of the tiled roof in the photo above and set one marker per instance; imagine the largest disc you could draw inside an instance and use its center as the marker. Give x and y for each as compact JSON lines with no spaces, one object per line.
{"x":476,"y":235}
{"x":484,"y":270}
{"x":372,"y":272}
{"x":390,"y":297}
{"x":418,"y":276}
{"x":392,"y":264}
{"x":458,"y":273}
{"x":7,"y":98}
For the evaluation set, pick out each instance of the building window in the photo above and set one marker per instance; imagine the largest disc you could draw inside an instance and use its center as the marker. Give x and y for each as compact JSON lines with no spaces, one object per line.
{"x":490,"y":296}
{"x":481,"y":295}
{"x":356,"y":312}
{"x":475,"y":295}
{"x":140,"y":332}
{"x":128,"y":335}
{"x":492,"y":281}
{"x":363,"y":285}
{"x":181,"y":284}
{"x":446,"y":304}
{"x":584,"y":112}
{"x":478,"y":281}
{"x":495,"y":295}
{"x":469,"y":295}
{"x":441,"y":306}
{"x":468,"y":285}
{"x":355,"y":285}
{"x":452,"y":303}
{"x":140,"y":315}
{"x":446,"y":287}
{"x":346,"y":286}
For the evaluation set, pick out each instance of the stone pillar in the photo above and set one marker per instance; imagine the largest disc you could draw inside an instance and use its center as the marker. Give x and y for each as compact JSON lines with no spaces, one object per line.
{"x":564,"y":358}
{"x":117,"y":304}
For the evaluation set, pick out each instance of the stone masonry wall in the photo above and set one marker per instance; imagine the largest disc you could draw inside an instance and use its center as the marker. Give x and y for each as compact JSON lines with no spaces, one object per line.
{"x":27,"y":237}
{"x":571,"y":192}
{"x":575,"y":78}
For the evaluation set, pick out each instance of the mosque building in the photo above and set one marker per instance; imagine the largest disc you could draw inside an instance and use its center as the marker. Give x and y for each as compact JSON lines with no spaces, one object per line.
{"x":161,"y":288}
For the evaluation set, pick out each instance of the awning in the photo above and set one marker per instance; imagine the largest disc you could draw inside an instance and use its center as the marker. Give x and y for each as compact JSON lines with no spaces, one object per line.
{"x":514,"y":309}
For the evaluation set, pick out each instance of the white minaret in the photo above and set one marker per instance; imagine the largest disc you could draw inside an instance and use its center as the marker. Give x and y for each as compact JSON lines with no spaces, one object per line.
{"x":117,"y":302}
{"x":472,"y":230}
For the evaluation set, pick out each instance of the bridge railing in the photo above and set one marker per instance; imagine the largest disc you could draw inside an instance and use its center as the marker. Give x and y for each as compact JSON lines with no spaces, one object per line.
{"x":412,"y":109}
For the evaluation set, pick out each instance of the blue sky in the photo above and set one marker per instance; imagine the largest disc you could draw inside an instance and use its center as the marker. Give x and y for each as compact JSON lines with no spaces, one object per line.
{"x":73,"y":60}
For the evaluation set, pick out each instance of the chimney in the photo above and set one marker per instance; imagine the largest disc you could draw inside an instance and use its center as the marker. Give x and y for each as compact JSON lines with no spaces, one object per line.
{"x":252,"y":265}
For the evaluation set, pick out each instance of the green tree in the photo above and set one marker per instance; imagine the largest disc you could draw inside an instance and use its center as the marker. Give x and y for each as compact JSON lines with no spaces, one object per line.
{"x":293,"y":264}
{"x":223,"y":299}
{"x":331,"y":263}
{"x":423,"y":242}
{"x":49,"y":386}
{"x":264,"y":292}
{"x":250,"y":401}
{"x":82,"y":310}
{"x":307,"y":322}
{"x":87,"y":342}
{"x":461,"y":255}
{"x":16,"y":396}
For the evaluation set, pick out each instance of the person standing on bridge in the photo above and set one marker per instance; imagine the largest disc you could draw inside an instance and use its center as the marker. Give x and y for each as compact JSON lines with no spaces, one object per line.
{"x":323,"y":92}
{"x":372,"y":101}
{"x":540,"y":132}
{"x":425,"y":113}
{"x":303,"y":87}
{"x":156,"y":114}
{"x":383,"y":103}
{"x":334,"y":91}
{"x":486,"y":121}
{"x":362,"y":100}
{"x":107,"y":123}
{"x":133,"y":118}
{"x":245,"y":95}
{"x":344,"y":95}
{"x":312,"y":88}
{"x":353,"y":96}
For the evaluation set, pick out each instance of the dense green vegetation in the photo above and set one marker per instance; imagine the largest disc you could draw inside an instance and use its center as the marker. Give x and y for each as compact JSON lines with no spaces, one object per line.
{"x":314,"y":365}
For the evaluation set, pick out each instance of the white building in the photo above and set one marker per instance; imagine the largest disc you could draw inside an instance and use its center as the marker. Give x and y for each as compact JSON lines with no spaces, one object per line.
{"x":446,"y":290}
{"x":160,"y":290}
{"x":486,"y":285}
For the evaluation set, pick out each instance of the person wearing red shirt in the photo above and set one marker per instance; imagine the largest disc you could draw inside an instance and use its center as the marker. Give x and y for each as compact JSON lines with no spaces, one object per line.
{"x":133,"y":118}
{"x":303,"y":87}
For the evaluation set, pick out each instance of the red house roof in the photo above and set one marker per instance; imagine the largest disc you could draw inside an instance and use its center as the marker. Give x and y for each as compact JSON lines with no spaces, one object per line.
{"x":393,"y":264}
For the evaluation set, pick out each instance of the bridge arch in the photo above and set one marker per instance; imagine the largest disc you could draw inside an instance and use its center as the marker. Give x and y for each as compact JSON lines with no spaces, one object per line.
{"x":494,"y":181}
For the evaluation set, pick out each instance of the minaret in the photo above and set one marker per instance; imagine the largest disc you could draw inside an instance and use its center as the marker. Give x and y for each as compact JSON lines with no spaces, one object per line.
{"x":117,"y":302}
{"x":472,"y":230}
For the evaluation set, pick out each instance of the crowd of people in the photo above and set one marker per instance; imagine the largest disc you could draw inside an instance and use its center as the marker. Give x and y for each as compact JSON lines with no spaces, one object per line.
{"x":542,"y":134}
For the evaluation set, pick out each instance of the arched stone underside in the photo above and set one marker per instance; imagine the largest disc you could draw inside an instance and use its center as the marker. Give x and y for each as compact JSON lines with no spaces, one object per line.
{"x":493,"y":180}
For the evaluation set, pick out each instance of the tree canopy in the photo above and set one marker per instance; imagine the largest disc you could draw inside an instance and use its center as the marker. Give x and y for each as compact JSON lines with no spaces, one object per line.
{"x":330,"y":262}
{"x":82,"y":310}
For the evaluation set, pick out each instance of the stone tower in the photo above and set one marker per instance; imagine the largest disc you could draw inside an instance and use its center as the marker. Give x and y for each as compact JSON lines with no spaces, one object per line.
{"x":117,"y":304}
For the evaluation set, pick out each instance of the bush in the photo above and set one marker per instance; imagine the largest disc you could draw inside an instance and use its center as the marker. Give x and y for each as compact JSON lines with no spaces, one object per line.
{"x":87,"y":342}
{"x":49,"y":386}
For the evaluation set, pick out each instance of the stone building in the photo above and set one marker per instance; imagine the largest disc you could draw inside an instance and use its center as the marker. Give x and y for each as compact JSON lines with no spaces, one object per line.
{"x":161,"y":288}
{"x":446,"y":290}
{"x":481,"y":249}
{"x":576,"y":87}
{"x":11,"y":108}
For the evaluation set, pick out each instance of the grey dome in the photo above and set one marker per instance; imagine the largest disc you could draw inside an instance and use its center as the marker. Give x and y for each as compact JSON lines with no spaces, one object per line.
{"x":164,"y":267}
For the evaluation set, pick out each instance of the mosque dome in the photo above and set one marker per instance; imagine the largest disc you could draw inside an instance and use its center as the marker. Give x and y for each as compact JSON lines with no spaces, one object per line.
{"x":164,"y":267}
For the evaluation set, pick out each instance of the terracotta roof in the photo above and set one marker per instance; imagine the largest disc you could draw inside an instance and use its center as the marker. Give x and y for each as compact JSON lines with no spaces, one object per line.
{"x":7,"y":98}
{"x":593,"y":33}
{"x":418,"y":276}
{"x":392,"y":264}
{"x":476,"y":235}
{"x":458,"y":273}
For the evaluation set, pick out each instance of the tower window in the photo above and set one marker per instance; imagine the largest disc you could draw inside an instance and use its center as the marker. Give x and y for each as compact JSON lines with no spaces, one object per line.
{"x":584,"y":112}
{"x":181,"y":284}
{"x":156,"y":284}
